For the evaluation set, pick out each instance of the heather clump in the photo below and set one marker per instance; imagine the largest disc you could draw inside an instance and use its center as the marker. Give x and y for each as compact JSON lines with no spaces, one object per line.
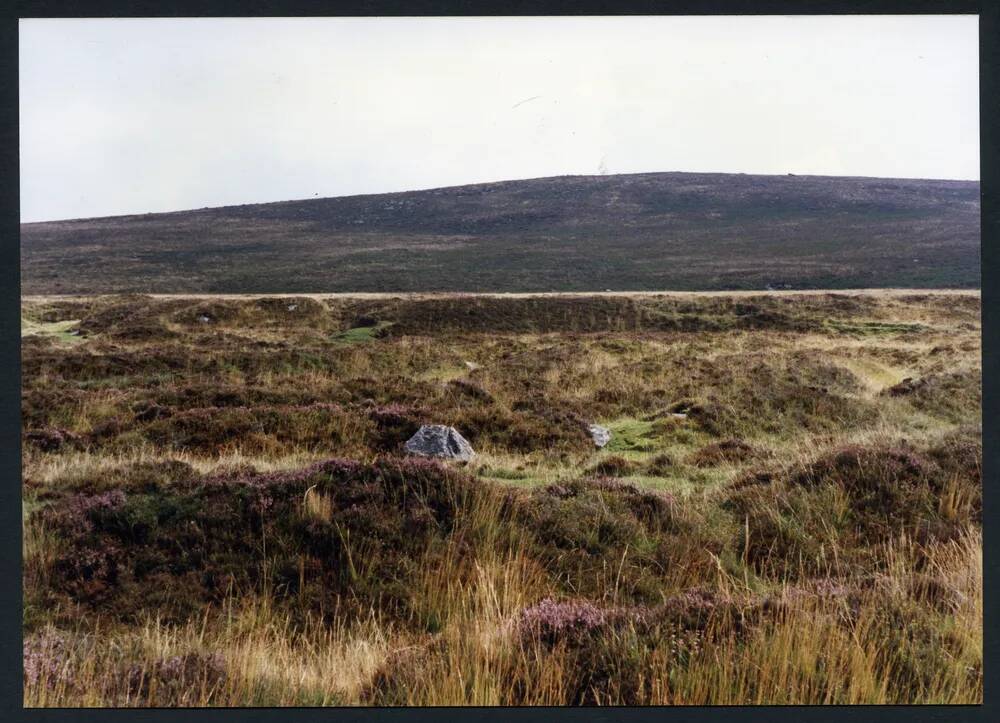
{"x":863,"y":470}
{"x":660,"y":465}
{"x":45,"y":660}
{"x":830,"y":514}
{"x":610,"y":653}
{"x":177,"y":680}
{"x":960,"y":455}
{"x":51,"y":440}
{"x":394,"y":424}
{"x":952,"y":394}
{"x":888,"y":491}
{"x":614,"y":466}
{"x":465,"y":390}
{"x":552,"y":620}
{"x":579,"y":525}
{"x":524,"y":432}
{"x":728,"y":451}
{"x":76,"y":512}
{"x":233,"y":528}
{"x":261,"y":429}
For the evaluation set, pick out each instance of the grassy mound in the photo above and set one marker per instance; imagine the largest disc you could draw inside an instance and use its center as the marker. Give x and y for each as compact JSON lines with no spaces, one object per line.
{"x":829,"y":516}
{"x":336,"y":529}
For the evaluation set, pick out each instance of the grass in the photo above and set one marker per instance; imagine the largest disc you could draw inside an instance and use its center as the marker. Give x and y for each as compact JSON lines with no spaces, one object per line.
{"x":874,"y":327}
{"x":223,"y":516}
{"x":361,"y":334}
{"x":631,"y":435}
{"x":60,"y":330}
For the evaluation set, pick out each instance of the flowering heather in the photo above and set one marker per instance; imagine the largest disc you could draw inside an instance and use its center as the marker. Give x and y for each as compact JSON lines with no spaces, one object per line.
{"x":829,"y":587}
{"x":210,"y":411}
{"x":45,"y":659}
{"x":177,"y":676}
{"x":112,"y":499}
{"x":551,"y":620}
{"x":395,"y":414}
{"x":861,"y":469}
{"x":75,"y":513}
{"x":336,"y":468}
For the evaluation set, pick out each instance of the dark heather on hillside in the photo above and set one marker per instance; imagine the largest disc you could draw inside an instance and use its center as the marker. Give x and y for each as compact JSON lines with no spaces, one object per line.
{"x":657,"y":231}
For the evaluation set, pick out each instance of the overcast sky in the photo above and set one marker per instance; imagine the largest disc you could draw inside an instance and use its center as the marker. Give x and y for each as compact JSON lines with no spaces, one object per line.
{"x":132,"y":116}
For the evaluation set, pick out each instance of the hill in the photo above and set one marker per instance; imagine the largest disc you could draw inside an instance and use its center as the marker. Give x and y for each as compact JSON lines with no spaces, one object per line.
{"x":680,"y":231}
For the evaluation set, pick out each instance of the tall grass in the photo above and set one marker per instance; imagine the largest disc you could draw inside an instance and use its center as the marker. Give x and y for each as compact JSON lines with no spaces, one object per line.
{"x":819,"y":650}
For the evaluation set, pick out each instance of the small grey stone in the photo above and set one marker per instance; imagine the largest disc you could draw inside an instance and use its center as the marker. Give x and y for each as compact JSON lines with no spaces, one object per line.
{"x":600,"y":435}
{"x":439,"y":440}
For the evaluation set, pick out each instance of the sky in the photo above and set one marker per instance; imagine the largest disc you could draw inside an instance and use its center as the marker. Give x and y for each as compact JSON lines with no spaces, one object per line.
{"x":121,"y":116}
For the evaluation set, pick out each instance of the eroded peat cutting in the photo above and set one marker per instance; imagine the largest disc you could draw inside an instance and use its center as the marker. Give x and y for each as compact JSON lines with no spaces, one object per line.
{"x":219,"y":509}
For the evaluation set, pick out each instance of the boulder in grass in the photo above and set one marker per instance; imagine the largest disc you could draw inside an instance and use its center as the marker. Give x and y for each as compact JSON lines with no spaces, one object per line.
{"x":439,"y":440}
{"x":600,"y":435}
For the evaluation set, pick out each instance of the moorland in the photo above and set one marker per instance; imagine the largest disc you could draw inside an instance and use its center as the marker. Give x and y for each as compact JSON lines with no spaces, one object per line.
{"x":218,"y":509}
{"x":628,"y":232}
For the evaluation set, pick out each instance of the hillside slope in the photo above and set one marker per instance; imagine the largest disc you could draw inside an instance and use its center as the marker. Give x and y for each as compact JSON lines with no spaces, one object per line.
{"x":681,"y":231}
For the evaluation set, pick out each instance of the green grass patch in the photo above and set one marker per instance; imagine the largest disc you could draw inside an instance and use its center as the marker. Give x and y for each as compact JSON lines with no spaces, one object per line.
{"x":632,"y":435}
{"x":361,"y":334}
{"x":60,"y":330}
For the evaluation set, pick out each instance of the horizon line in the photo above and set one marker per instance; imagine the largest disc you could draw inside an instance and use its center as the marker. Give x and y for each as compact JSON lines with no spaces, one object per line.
{"x":494,"y":182}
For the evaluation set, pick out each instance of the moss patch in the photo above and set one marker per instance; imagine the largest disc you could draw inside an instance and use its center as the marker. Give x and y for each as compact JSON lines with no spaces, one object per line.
{"x":361,"y":334}
{"x":632,"y":435}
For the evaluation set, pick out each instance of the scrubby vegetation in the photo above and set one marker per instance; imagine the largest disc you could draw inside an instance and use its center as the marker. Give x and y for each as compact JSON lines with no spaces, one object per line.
{"x":690,"y":231}
{"x":217,"y":510}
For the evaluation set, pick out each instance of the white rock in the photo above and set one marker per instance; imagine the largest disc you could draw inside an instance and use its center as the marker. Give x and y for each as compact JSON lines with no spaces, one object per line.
{"x":600,"y":435}
{"x":439,"y":440}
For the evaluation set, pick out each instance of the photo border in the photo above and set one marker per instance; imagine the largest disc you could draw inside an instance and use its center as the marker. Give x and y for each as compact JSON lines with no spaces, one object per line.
{"x":11,"y":605}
